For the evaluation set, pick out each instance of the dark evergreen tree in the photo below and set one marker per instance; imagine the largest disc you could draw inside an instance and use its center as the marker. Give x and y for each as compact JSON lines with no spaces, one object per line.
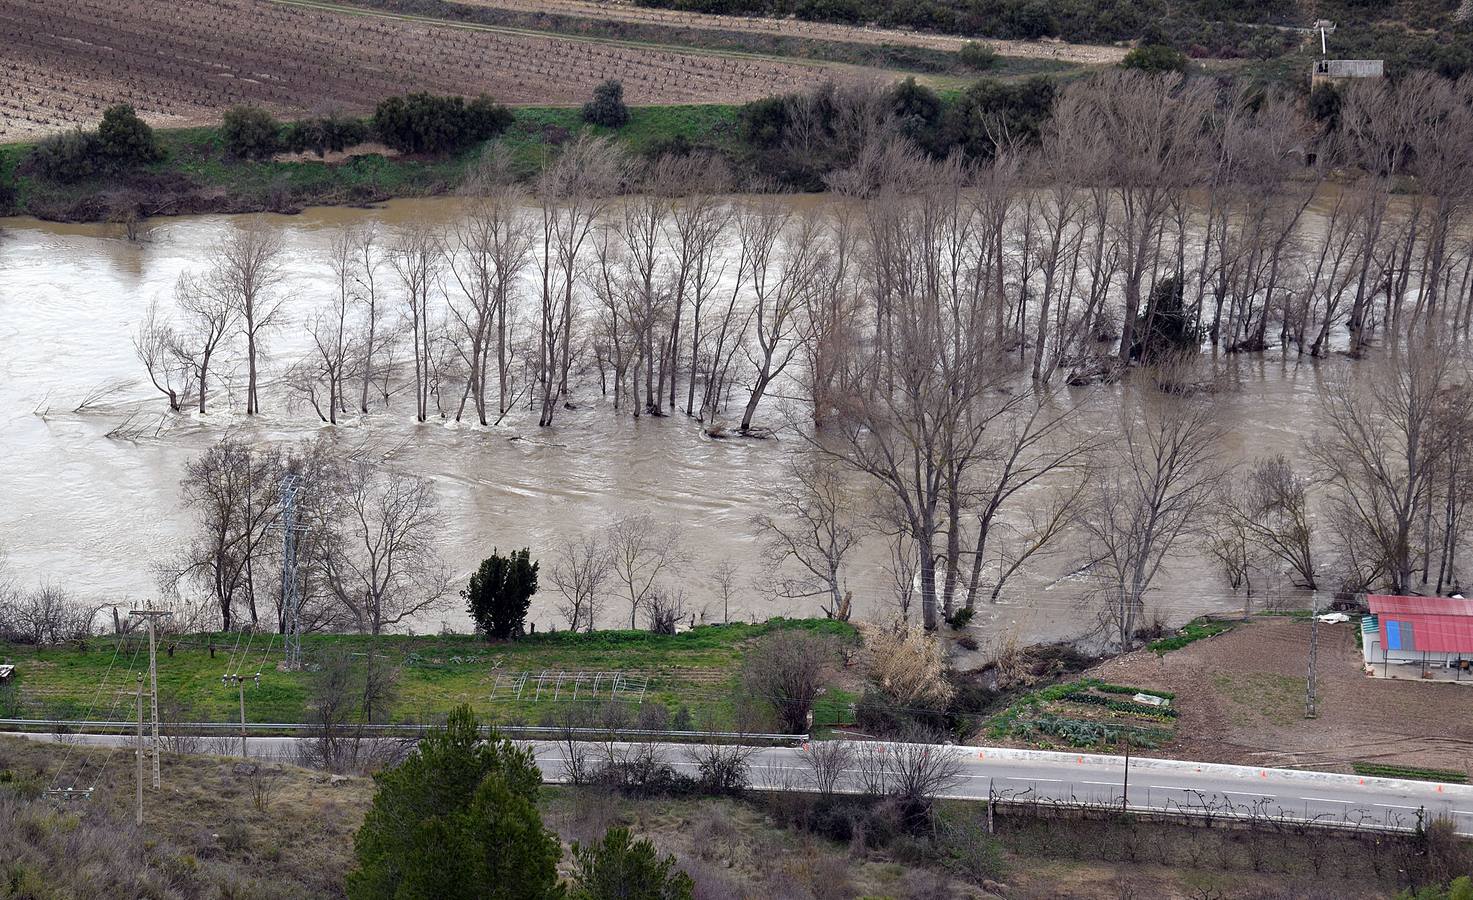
{"x":127,"y":140}
{"x":457,"y":820}
{"x":500,"y":593}
{"x":251,"y":133}
{"x":621,"y":868}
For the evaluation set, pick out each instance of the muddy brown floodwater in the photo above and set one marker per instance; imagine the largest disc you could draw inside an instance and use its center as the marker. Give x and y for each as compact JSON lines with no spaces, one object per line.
{"x":94,"y":513}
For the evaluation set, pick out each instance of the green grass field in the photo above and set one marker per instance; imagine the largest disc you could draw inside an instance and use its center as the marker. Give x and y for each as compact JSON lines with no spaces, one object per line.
{"x":697,"y":669}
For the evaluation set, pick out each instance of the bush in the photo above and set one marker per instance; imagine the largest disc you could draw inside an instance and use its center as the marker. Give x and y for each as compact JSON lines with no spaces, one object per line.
{"x":68,"y":157}
{"x":607,"y":106}
{"x":500,"y":592}
{"x":621,"y":868}
{"x":323,"y":135}
{"x":976,"y":56}
{"x":786,"y":669}
{"x":250,"y":132}
{"x":424,"y":123}
{"x":457,"y":820}
{"x":1155,"y":58}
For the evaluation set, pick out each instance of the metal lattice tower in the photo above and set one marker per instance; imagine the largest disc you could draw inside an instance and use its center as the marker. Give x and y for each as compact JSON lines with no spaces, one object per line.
{"x":291,"y":595}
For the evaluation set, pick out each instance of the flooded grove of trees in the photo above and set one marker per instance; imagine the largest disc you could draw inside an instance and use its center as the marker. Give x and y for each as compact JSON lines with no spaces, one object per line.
{"x":939,"y":388}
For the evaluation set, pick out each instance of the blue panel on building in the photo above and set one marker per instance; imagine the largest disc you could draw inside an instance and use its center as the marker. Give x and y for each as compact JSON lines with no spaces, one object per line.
{"x":1393,"y":635}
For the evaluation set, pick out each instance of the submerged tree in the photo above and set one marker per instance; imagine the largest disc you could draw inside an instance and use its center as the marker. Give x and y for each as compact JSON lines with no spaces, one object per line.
{"x":500,"y":592}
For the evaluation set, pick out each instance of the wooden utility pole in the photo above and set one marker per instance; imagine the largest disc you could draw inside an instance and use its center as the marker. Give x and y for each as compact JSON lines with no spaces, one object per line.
{"x":149,"y":615}
{"x":140,"y":748}
{"x":1311,"y":677}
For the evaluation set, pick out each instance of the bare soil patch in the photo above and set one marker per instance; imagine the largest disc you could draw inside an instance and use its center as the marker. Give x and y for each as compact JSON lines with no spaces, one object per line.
{"x":182,"y":62}
{"x":1241,"y":696}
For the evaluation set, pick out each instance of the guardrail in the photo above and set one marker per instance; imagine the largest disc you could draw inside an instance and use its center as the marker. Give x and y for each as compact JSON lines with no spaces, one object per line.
{"x":542,"y":732}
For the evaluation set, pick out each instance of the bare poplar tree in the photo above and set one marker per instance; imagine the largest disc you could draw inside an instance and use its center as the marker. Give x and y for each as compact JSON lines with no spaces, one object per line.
{"x":369,"y":259}
{"x":574,"y":191}
{"x":784,"y":265}
{"x":1272,"y":510}
{"x":245,"y":268}
{"x":491,"y":248}
{"x":417,"y":258}
{"x":330,"y":329}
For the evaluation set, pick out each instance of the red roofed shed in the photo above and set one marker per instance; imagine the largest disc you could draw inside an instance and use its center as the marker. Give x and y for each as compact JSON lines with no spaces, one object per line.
{"x":1430,"y":631}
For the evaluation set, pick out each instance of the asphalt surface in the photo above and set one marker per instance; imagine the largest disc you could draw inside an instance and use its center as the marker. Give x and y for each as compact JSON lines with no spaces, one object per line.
{"x":1043,"y":777}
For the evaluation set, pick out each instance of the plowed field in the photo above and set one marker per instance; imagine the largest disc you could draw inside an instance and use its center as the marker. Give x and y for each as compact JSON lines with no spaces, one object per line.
{"x":184,"y":61}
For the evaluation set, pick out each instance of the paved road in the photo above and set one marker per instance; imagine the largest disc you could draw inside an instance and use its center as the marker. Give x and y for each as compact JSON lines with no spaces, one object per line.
{"x":1024,"y":775}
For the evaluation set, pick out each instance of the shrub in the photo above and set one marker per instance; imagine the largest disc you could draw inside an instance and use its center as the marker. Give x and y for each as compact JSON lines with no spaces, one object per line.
{"x":909,"y":665}
{"x":457,"y":820}
{"x":500,"y":592}
{"x":250,"y":132}
{"x":786,"y":669}
{"x":323,"y":135}
{"x":67,"y":157}
{"x":607,"y":106}
{"x":1155,"y":58}
{"x":976,"y":56}
{"x":125,"y":139}
{"x":425,"y":123}
{"x":621,"y":868}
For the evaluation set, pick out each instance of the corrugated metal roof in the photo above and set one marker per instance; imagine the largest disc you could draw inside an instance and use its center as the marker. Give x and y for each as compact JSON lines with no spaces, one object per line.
{"x":1424,"y":624}
{"x":1426,"y":606}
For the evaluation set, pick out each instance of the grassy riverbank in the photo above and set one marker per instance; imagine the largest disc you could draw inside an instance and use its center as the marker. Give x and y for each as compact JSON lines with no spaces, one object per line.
{"x":196,"y":175}
{"x":697,"y":671}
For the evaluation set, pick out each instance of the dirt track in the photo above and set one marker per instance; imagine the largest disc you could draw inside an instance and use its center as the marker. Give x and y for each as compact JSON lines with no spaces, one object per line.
{"x":1241,"y":697}
{"x":185,"y":61}
{"x":1090,"y":54}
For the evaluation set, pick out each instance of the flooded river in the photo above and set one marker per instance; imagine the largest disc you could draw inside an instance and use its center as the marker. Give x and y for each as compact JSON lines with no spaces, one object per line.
{"x":94,"y":513}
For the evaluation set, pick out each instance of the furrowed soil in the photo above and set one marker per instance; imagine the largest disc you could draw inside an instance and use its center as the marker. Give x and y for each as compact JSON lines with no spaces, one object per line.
{"x":182,"y":62}
{"x":1241,"y":696}
{"x":1089,"y":54}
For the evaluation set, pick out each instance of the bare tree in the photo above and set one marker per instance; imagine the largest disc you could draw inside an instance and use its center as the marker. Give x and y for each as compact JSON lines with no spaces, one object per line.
{"x":207,"y":320}
{"x":1272,"y":509}
{"x":380,"y":562}
{"x":815,"y":530}
{"x":492,"y":247}
{"x":574,"y":191}
{"x":784,"y":265}
{"x":328,"y":368}
{"x":642,"y":552}
{"x":233,"y":489}
{"x":368,"y":260}
{"x":1380,"y":453}
{"x":1150,"y":492}
{"x":245,"y":267}
{"x":579,"y":571}
{"x":44,"y":616}
{"x":158,"y":347}
{"x":417,"y":259}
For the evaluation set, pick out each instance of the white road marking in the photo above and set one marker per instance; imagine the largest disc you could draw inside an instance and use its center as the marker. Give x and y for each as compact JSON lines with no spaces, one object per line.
{"x":1106,"y":783}
{"x":1389,"y":805}
{"x":1017,"y":778}
{"x":1253,"y":794}
{"x":1326,"y":800}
